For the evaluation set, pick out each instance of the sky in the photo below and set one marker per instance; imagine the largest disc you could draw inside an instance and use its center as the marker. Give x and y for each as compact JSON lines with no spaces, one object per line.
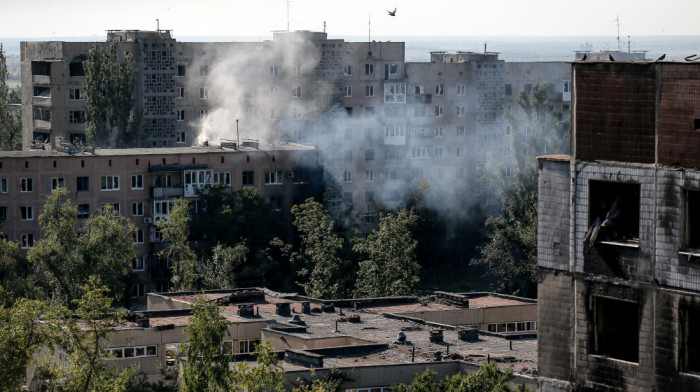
{"x":258,"y":18}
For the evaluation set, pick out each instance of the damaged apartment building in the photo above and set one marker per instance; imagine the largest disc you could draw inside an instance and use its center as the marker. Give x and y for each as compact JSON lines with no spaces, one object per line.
{"x":619,"y":234}
{"x":381,"y":123}
{"x":142,"y":185}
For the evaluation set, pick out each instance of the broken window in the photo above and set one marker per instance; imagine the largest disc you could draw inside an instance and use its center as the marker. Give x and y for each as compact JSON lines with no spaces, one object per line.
{"x":615,"y":328}
{"x":691,"y":224}
{"x":509,"y":89}
{"x":347,"y":70}
{"x":42,"y":68}
{"x":181,"y":71}
{"x":689,"y":344}
{"x":76,"y":69}
{"x":613,"y":212}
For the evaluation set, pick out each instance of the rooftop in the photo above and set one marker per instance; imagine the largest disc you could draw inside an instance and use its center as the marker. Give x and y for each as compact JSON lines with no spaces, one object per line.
{"x":364,"y":332}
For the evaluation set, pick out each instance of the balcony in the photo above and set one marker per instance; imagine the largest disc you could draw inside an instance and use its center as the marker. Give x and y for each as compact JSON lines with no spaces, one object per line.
{"x":42,"y":124}
{"x":166,"y":192}
{"x":41,"y":79}
{"x":422,"y":98}
{"x":42,"y":100}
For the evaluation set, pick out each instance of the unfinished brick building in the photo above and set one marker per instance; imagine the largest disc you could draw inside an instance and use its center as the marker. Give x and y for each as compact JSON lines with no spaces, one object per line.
{"x":619,"y":234}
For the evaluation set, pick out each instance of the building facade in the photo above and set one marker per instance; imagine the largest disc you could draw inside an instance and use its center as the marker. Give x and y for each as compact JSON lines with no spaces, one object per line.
{"x":381,"y":124}
{"x":619,"y":293}
{"x":142,"y":184}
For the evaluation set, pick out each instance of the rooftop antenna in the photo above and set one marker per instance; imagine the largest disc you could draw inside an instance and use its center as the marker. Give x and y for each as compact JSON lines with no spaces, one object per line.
{"x":238,"y":137}
{"x":157,"y":25}
{"x":288,"y":1}
{"x":369,"y":34}
{"x":484,"y":47}
{"x":629,"y":44}
{"x":617,"y":21}
{"x":324,"y":26}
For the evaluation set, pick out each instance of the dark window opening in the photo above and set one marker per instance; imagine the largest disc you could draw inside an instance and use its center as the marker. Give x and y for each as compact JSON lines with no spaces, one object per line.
{"x":76,"y":69}
{"x":180,"y":70}
{"x":613,"y":212}
{"x":41,"y":68}
{"x":689,"y":353}
{"x":692,"y":219}
{"x":248,"y":178}
{"x":83,"y":184}
{"x":696,"y":124}
{"x":615,"y":329}
{"x":509,"y":89}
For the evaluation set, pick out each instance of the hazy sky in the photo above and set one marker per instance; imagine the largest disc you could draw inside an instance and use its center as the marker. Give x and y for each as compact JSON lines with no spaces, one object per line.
{"x":257,"y":18}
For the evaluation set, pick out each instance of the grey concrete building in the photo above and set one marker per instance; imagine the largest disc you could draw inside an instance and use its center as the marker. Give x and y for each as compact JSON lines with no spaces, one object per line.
{"x":619,"y":293}
{"x":381,"y":124}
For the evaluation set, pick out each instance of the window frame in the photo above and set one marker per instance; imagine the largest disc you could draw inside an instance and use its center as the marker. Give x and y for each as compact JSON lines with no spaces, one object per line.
{"x":109,"y":183}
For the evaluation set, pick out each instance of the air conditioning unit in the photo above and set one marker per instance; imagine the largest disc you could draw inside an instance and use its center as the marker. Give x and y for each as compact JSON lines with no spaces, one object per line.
{"x":290,"y":174}
{"x":148,"y":220}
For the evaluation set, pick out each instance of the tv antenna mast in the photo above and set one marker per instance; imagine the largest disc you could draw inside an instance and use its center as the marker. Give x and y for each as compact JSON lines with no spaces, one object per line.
{"x":288,"y":1}
{"x":617,"y":22}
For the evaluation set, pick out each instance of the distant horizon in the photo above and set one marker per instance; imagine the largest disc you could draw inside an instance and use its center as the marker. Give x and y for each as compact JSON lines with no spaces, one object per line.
{"x":511,"y":48}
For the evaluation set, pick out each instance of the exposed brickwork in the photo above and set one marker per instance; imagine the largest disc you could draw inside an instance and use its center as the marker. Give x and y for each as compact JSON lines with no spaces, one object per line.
{"x":614,"y":105}
{"x":554,"y":315}
{"x":679,"y":106}
{"x":553,"y":211}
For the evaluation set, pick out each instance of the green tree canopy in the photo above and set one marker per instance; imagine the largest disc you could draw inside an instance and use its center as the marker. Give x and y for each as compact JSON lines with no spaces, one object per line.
{"x":22,"y":335}
{"x":80,"y":336}
{"x":207,"y":366}
{"x":176,"y":231}
{"x":16,"y":276}
{"x":68,"y":254}
{"x":389,"y":267}
{"x":10,"y":126}
{"x":318,"y":256}
{"x":109,"y":88}
{"x":219,"y":272}
{"x":511,"y":251}
{"x":489,"y":378}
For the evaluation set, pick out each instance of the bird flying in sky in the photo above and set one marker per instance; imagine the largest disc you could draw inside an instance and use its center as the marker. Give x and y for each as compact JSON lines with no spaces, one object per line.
{"x":392,"y":13}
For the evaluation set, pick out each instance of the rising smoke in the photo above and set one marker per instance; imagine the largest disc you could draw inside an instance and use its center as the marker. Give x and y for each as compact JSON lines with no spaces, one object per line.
{"x":279,"y":93}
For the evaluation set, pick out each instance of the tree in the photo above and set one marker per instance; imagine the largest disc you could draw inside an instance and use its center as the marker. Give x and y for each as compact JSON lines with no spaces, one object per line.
{"x":176,"y":231}
{"x":109,"y":87}
{"x":390,"y":266}
{"x":21,"y":336}
{"x":220,"y":271}
{"x":206,"y":368}
{"x":230,"y":218}
{"x":511,"y":251}
{"x":489,"y":378}
{"x":16,"y":276}
{"x":266,"y":376}
{"x":85,"y":368}
{"x":320,"y":272}
{"x":67,"y":258}
{"x":10,"y":126}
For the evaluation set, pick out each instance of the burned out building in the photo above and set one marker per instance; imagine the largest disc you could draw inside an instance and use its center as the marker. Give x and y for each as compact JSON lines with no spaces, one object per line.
{"x":619,"y":265}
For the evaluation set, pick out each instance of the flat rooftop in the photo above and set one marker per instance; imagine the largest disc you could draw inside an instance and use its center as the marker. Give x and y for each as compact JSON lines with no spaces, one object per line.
{"x":380,"y":321}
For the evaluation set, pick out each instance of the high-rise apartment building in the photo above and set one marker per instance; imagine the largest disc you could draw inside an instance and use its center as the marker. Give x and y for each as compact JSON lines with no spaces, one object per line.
{"x":381,"y":124}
